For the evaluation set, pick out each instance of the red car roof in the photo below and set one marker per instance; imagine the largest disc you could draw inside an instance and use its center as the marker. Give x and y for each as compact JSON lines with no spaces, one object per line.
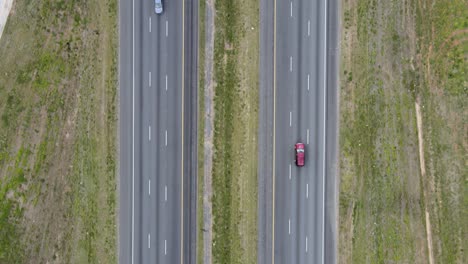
{"x":300,"y":154}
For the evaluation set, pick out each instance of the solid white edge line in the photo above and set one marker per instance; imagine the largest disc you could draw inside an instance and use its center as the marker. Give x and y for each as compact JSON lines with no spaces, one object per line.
{"x":149,"y":24}
{"x":274,"y":138}
{"x":324,"y":130}
{"x":182,"y":141}
{"x":165,"y":193}
{"x":133,"y":129}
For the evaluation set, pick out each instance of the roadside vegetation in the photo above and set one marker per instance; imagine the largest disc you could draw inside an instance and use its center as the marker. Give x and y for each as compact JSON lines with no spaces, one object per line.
{"x":58,"y":88}
{"x":235,"y":129}
{"x":201,"y":127}
{"x":397,"y":206}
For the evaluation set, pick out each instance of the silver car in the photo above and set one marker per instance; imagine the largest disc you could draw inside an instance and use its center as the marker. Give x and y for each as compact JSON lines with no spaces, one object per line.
{"x":158,"y":8}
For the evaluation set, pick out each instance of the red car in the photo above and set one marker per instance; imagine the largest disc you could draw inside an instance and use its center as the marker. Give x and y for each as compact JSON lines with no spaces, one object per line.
{"x":300,"y":154}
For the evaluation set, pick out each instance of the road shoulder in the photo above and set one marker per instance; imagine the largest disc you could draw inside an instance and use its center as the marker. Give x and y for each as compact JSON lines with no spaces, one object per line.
{"x":332,"y":144}
{"x":265,"y":133}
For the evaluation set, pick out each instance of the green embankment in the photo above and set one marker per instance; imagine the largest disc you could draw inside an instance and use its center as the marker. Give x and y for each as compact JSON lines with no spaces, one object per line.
{"x":58,"y":88}
{"x":394,"y":52}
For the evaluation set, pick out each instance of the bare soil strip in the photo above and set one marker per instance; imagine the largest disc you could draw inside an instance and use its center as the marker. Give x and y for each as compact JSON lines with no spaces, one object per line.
{"x":424,"y":177}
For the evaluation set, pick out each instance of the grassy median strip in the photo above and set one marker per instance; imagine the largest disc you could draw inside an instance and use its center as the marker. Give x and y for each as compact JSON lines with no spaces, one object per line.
{"x":393,"y":54}
{"x":58,"y":93}
{"x":236,"y":115}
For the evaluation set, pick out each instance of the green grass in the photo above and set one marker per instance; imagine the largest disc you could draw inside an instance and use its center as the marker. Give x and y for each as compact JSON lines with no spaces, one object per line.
{"x":57,"y":132}
{"x":226,"y":237}
{"x":235,"y":129}
{"x":444,"y":93}
{"x":10,"y":211}
{"x":94,"y":204}
{"x":382,"y":206}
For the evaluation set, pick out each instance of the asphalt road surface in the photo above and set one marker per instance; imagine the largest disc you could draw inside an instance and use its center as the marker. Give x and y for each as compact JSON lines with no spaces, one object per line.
{"x":299,"y":102}
{"x":157,"y":132}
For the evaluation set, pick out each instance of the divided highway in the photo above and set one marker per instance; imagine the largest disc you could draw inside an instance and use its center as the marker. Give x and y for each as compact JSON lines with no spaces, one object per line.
{"x":158,"y":91}
{"x":157,"y":132}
